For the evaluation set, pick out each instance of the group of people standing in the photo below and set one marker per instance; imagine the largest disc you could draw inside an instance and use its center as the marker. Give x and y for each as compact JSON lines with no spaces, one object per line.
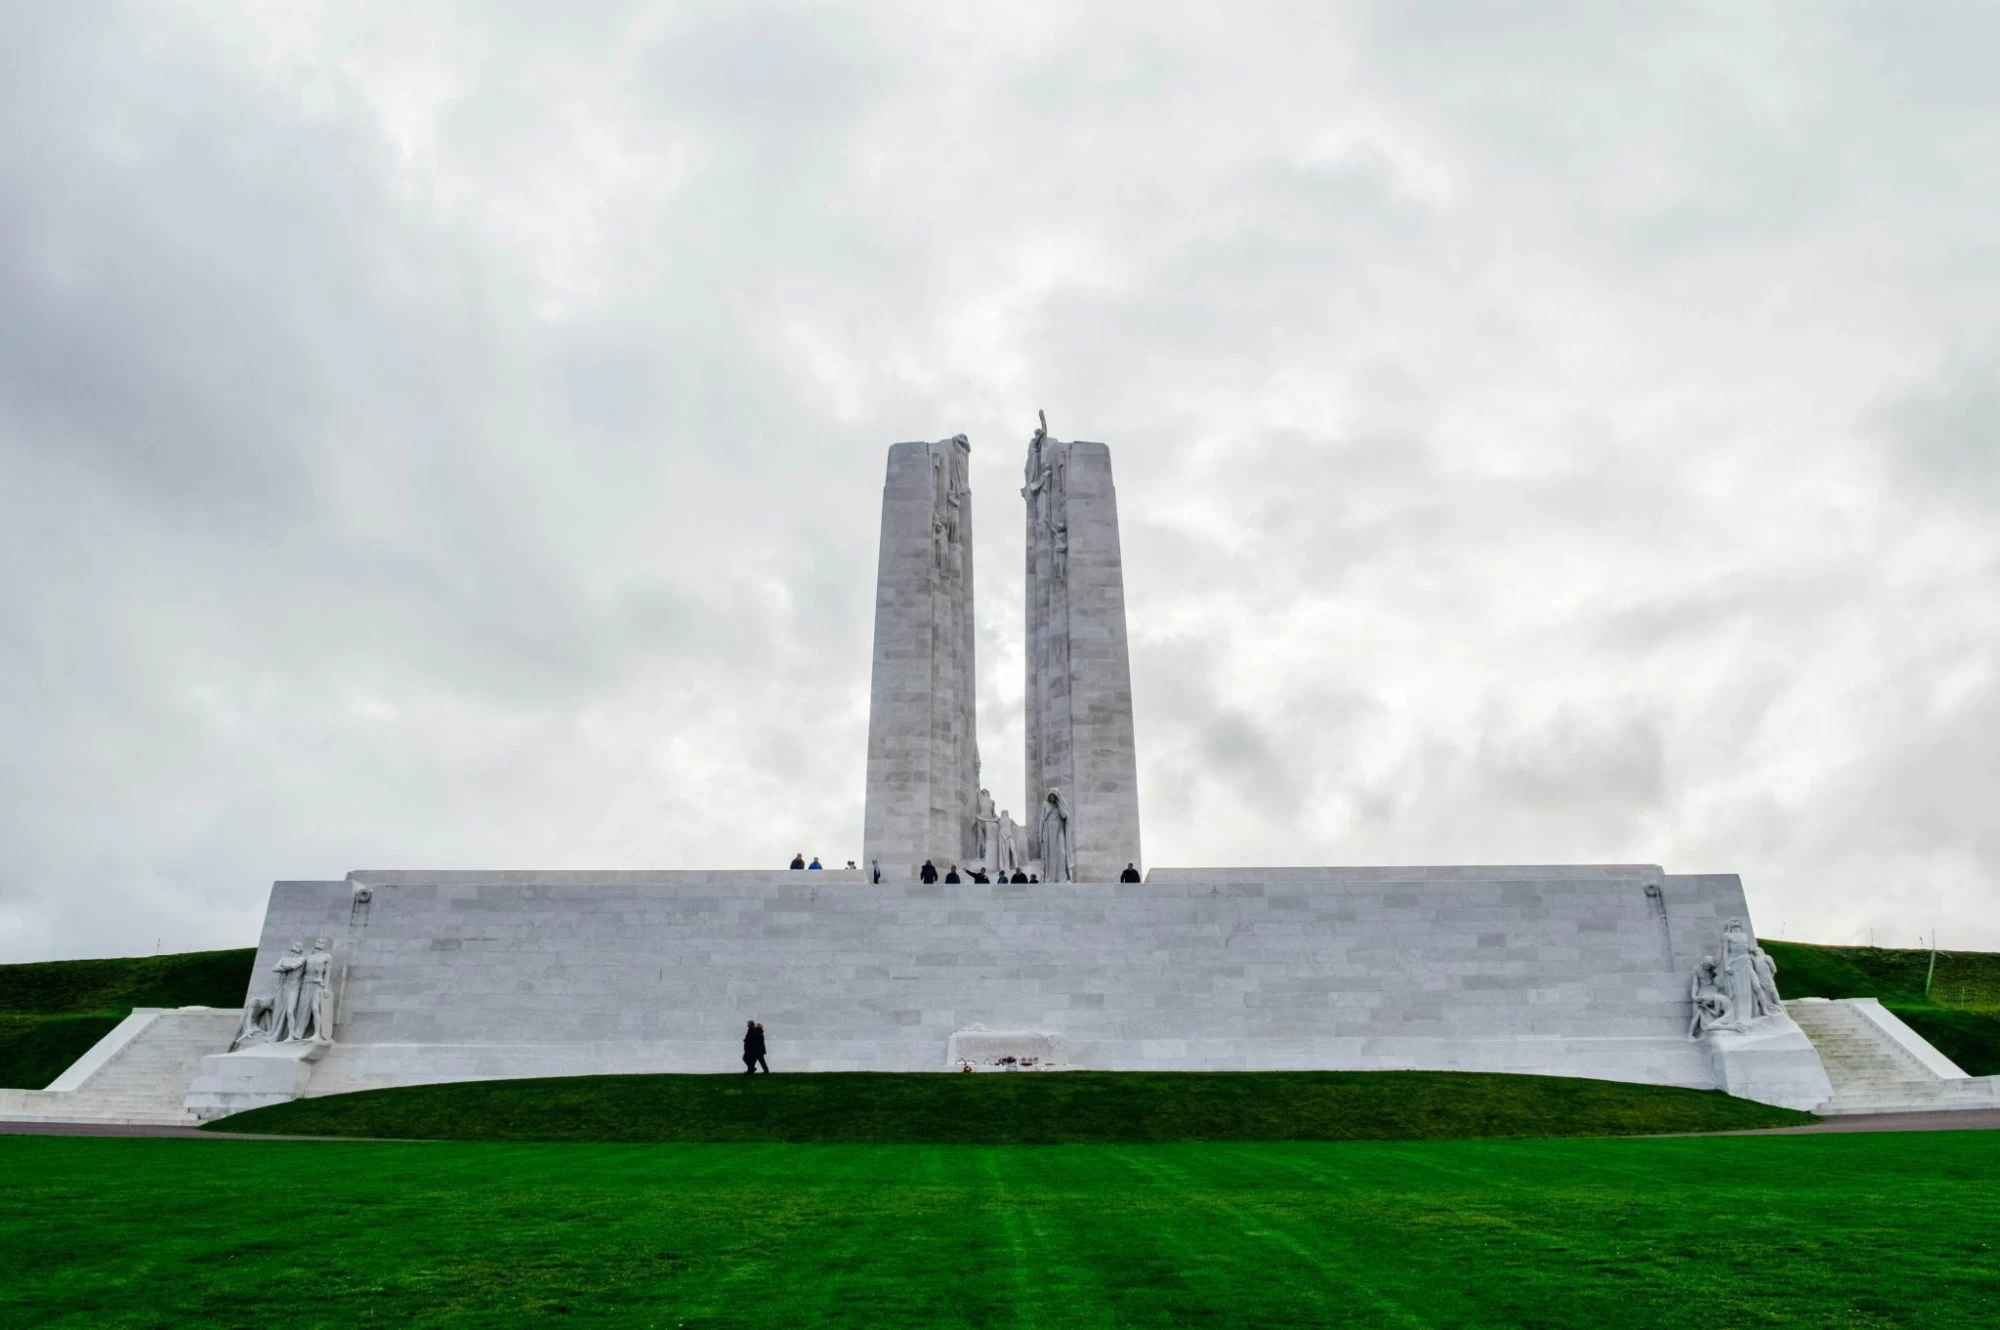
{"x":928,"y":874}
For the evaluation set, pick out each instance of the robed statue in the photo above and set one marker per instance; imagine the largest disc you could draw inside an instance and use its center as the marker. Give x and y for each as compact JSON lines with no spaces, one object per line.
{"x":1058,"y":856}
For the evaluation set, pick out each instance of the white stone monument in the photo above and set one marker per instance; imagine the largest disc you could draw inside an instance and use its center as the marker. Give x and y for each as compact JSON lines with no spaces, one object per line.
{"x":1079,"y":674}
{"x":923,"y":740}
{"x":403,"y":978}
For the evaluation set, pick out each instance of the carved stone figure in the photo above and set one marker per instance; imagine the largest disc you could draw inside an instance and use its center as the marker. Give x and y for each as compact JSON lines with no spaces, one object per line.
{"x":1041,"y":476}
{"x":291,"y":972}
{"x":1059,"y":554}
{"x":1008,"y":837}
{"x":985,"y":824}
{"x":315,"y":1018}
{"x":1712,"y":1007}
{"x":1747,"y":974}
{"x":1767,"y":977}
{"x":258,"y":1015}
{"x":1058,"y":858}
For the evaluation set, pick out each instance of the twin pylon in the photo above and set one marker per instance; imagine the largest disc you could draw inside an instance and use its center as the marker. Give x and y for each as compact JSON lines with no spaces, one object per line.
{"x":925,"y":801}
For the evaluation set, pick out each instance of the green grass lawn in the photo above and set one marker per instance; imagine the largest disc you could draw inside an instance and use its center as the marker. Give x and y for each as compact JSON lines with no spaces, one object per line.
{"x":1798,"y":1231}
{"x":1049,"y":1108}
{"x":51,"y":1012}
{"x":1960,"y":1015}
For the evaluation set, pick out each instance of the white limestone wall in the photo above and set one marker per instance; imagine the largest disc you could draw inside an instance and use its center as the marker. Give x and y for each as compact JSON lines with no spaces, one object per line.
{"x":471,"y":975}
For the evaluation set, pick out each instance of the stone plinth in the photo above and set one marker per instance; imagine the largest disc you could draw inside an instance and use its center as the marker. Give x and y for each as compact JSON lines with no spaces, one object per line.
{"x":1771,"y":1062}
{"x":253,"y":1078}
{"x":1562,"y":970}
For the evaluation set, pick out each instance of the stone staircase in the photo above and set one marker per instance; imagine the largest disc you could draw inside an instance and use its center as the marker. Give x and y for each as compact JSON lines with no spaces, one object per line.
{"x":1877,"y":1064}
{"x":139,"y":1073}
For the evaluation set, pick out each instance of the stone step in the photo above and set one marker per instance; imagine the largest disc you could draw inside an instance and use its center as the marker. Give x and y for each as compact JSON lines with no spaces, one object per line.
{"x":1871,"y":1069}
{"x":146,"y":1067}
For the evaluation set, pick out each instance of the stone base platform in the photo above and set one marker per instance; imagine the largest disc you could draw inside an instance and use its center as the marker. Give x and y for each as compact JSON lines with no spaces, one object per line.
{"x":1558,"y":970}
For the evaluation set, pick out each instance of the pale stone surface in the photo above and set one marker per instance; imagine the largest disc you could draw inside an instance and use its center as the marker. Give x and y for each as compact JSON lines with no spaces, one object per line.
{"x":1567,"y":970}
{"x":1079,"y":730}
{"x":923,"y":744}
{"x":251,"y":1078}
{"x":1771,"y":1061}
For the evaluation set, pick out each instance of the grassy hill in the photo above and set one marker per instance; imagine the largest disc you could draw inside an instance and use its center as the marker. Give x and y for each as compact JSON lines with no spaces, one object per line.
{"x":1883,"y":1231}
{"x":1960,"y":1015}
{"x":53,"y":1011}
{"x":1055,"y":1108}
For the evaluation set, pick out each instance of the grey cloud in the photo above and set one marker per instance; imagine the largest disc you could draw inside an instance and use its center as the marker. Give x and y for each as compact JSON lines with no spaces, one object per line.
{"x":455,"y":435}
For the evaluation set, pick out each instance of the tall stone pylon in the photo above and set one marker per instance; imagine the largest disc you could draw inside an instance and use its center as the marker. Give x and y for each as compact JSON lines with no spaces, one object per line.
{"x":1079,"y":684}
{"x":923,"y":735}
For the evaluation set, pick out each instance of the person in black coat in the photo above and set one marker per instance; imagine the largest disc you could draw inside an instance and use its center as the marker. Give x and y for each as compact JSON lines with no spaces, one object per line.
{"x":799,"y":860}
{"x":1130,"y":874}
{"x":1020,"y":876}
{"x":929,"y":873}
{"x":952,"y":876}
{"x":753,"y":1050}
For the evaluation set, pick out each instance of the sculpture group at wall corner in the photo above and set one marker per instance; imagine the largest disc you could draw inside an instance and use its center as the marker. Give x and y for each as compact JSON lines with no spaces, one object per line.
{"x":1735,"y":992}
{"x":301,"y":1011}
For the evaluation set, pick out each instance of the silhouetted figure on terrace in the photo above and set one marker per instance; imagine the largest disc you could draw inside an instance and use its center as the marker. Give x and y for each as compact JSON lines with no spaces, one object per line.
{"x":1130,"y":874}
{"x":753,"y":1050}
{"x":929,"y":873}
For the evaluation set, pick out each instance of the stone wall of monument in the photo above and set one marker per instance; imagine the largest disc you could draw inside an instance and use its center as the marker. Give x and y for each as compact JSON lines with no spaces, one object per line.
{"x":1576,"y":971}
{"x":923,"y":746}
{"x":1078,"y":695}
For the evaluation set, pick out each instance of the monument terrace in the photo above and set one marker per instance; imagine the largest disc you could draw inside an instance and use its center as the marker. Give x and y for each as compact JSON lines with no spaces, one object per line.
{"x":397,"y":977}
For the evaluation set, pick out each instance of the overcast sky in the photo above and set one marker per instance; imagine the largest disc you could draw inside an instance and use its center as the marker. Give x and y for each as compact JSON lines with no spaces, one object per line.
{"x":452,"y":435}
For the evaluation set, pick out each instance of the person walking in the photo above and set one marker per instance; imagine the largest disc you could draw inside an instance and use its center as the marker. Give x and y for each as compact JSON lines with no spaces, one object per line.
{"x":929,"y":872}
{"x":799,"y":859}
{"x":753,"y":1050}
{"x":1131,"y":874}
{"x":875,"y":871}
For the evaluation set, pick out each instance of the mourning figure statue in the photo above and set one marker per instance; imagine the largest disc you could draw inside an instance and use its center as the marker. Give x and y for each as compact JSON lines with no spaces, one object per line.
{"x":258,"y":1016}
{"x":1058,"y":857}
{"x":291,"y":971}
{"x":1712,"y":1007}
